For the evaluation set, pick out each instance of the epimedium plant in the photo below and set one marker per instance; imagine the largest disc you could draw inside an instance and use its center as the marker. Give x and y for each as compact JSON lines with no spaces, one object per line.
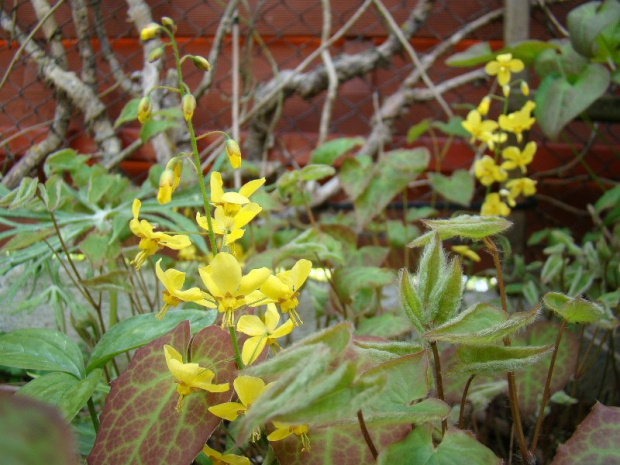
{"x":199,"y":389}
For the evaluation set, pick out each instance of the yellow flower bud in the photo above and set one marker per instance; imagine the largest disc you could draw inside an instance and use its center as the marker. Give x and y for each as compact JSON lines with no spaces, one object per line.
{"x":166,"y":181}
{"x":155,"y":54}
{"x":144,"y":109}
{"x":149,"y":32}
{"x":201,"y":63}
{"x":234,"y":153}
{"x":506,"y":90}
{"x":525,"y":89}
{"x":484,"y":106}
{"x":188,"y":105}
{"x":167,"y":21}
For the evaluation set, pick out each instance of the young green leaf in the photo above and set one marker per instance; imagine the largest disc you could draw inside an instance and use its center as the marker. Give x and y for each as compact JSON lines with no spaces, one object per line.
{"x":410,"y":301}
{"x":431,"y":271}
{"x":573,"y":310}
{"x":331,"y":150}
{"x":458,"y":188}
{"x":481,"y":324}
{"x":491,"y":360}
{"x":445,"y":299}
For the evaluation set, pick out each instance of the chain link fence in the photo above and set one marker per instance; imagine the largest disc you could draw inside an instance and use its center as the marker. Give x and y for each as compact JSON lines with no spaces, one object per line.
{"x":275,"y":36}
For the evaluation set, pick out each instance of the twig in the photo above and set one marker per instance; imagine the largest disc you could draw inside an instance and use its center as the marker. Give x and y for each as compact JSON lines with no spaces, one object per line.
{"x":562,"y":205}
{"x":543,"y":6}
{"x":26,"y":40}
{"x":332,"y":76}
{"x":85,"y":49}
{"x":396,"y":30}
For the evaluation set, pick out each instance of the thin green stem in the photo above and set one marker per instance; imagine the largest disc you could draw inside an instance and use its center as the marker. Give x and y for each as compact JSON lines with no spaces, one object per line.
{"x":93,"y":414}
{"x":233,"y":337}
{"x":545,"y":396}
{"x":439,"y":381}
{"x":192,"y":136}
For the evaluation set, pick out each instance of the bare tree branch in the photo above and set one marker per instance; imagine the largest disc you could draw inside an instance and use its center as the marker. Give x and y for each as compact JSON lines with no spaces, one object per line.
{"x":85,"y":49}
{"x":332,"y":76}
{"x":106,"y":50}
{"x":62,"y":113}
{"x":311,"y":83}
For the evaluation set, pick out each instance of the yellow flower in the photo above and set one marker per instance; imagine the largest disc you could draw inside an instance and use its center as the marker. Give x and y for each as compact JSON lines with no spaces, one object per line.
{"x":525,"y":89}
{"x":173,"y":282}
{"x":516,"y":158}
{"x":144,"y":109}
{"x":493,"y":206}
{"x":232,"y":202}
{"x":525,"y":186}
{"x":230,"y":227}
{"x":234,"y":153}
{"x":248,"y":388}
{"x":190,"y":377}
{"x":283,"y":288}
{"x":149,"y":31}
{"x":169,"y":180}
{"x":485,"y":104}
{"x":151,"y":241}
{"x":465,"y":251}
{"x":481,"y":130}
{"x":284,"y":431}
{"x":217,"y":458}
{"x":188,"y":105}
{"x":488,"y":172}
{"x":229,"y":289}
{"x":518,"y":121}
{"x":502,"y":66}
{"x":263,"y":331}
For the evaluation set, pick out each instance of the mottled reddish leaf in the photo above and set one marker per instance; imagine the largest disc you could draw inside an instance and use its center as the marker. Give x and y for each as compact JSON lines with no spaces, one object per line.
{"x":595,"y":441}
{"x":139,"y":423}
{"x":341,"y":444}
{"x":33,"y":433}
{"x":531,"y":382}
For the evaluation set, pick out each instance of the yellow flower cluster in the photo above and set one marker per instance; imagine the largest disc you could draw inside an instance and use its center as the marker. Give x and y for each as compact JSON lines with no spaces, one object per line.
{"x":494,"y":134}
{"x":263,"y":296}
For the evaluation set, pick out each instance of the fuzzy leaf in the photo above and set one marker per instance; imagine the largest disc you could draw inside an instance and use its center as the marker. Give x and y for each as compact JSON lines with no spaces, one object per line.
{"x":481,"y":324}
{"x":445,"y":300}
{"x":348,"y":281}
{"x":595,"y":441}
{"x":457,"y":446}
{"x":139,"y":330}
{"x":41,"y":349}
{"x":21,"y":195}
{"x":97,"y":248}
{"x":331,"y":150}
{"x":410,"y":301}
{"x":532,"y":379}
{"x":458,"y":188}
{"x":552,"y":268}
{"x":465,"y":226}
{"x":143,"y":399}
{"x":431,"y":273}
{"x":387,"y":325}
{"x":315,"y":172}
{"x":406,"y":380}
{"x":370,"y":352}
{"x":62,"y":390}
{"x":573,"y":310}
{"x":32,"y":433}
{"x":491,"y":360}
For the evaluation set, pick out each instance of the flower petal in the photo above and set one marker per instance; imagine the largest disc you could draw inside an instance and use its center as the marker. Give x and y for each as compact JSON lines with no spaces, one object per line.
{"x":274,"y":288}
{"x":252,"y":348}
{"x":249,"y":188}
{"x":228,"y":410}
{"x":252,"y":281}
{"x":226,"y":273}
{"x":299,"y":273}
{"x":251,"y":325}
{"x":249,"y":388}
{"x":216,"y":187}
